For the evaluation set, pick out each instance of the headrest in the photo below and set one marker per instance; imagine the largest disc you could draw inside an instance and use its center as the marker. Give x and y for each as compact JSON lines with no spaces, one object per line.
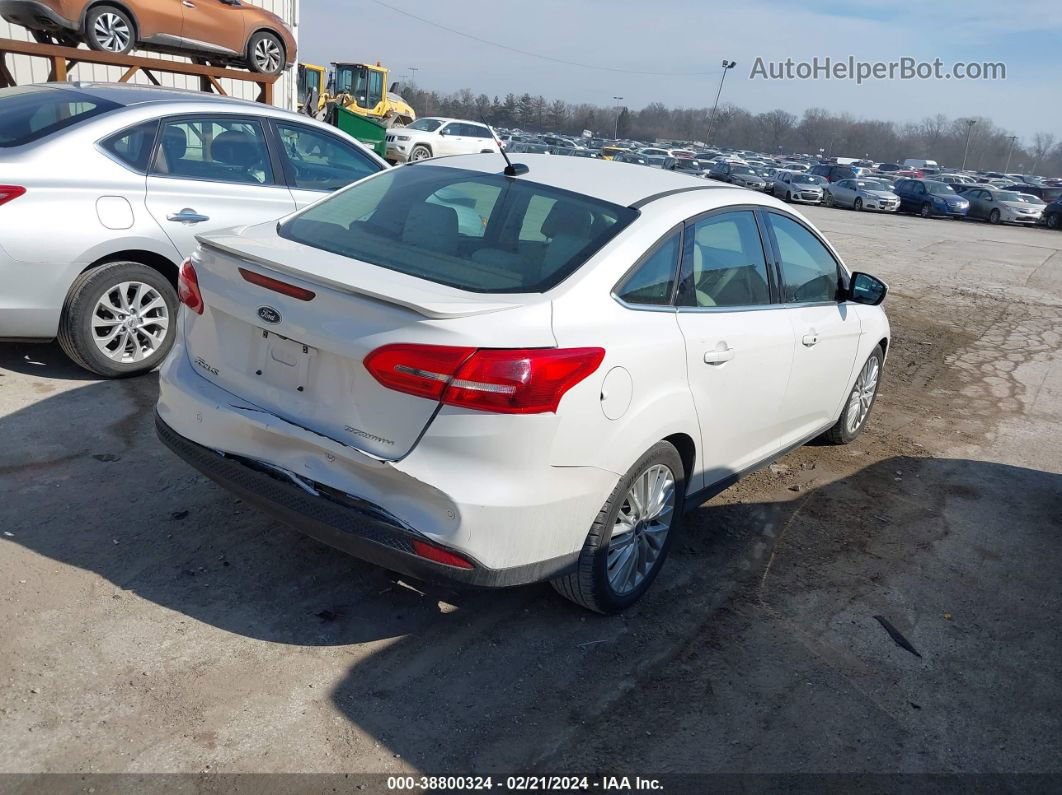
{"x":567,"y":218}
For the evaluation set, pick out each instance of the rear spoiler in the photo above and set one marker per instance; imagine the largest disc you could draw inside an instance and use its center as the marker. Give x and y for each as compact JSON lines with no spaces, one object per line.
{"x":423,"y":301}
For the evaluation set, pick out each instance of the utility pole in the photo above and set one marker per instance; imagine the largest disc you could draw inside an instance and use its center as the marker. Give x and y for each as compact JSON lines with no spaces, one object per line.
{"x":969,"y":130}
{"x":615,"y":133}
{"x":727,"y":66}
{"x":1010,"y":149}
{"x":414,"y":70}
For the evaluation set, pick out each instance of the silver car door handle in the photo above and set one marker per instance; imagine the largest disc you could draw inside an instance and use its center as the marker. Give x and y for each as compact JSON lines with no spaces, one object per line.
{"x":187,"y":216}
{"x":186,"y":4}
{"x":810,"y":339}
{"x":718,"y":356}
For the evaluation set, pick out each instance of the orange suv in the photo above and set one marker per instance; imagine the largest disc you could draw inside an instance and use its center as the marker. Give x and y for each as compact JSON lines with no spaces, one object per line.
{"x":221,"y":32}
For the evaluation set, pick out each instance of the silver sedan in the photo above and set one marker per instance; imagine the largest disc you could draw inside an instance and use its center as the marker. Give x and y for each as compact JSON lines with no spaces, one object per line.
{"x":862,"y":194}
{"x":794,"y":186}
{"x":106,"y":188}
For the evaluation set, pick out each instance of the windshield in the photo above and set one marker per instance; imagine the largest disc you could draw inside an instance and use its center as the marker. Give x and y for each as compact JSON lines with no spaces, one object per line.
{"x":1008,"y":196}
{"x":869,"y":184}
{"x":687,"y":165}
{"x":31,"y":113}
{"x":484,"y":233}
{"x":431,"y":125}
{"x":1031,"y":198}
{"x":939,"y":187}
{"x":807,"y":179}
{"x":734,"y":169}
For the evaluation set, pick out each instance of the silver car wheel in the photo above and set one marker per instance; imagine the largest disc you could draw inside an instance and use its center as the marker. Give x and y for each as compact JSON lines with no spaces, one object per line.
{"x":862,"y":395}
{"x":267,"y":55}
{"x":130,"y":322}
{"x":641,"y":528}
{"x":419,"y":153}
{"x":111,"y":32}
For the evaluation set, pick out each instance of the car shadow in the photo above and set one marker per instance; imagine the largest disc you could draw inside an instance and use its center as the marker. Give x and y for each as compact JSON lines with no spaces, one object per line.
{"x":42,"y":360}
{"x":755,"y":590}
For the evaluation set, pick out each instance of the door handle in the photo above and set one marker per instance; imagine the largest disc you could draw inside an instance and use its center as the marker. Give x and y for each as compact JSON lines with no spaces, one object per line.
{"x":810,"y":339}
{"x":718,"y":356}
{"x":187,"y":216}
{"x":186,"y":4}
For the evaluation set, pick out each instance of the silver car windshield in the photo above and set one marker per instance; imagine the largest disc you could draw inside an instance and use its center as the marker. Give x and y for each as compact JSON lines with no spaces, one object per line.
{"x":484,"y":233}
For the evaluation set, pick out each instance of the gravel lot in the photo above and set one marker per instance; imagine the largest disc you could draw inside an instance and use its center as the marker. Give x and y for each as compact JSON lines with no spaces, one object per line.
{"x":151,"y":622}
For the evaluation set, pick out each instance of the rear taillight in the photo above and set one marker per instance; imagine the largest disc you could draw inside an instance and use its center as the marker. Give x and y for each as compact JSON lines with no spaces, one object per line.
{"x":523,"y":381}
{"x":277,"y":286}
{"x":9,"y":192}
{"x":188,"y":288}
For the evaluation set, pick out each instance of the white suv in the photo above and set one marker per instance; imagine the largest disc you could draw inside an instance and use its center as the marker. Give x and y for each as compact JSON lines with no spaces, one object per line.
{"x":436,"y":136}
{"x":536,"y":397}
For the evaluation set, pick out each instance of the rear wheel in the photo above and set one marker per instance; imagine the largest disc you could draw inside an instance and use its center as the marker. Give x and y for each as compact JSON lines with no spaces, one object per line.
{"x":828,"y":200}
{"x":1054,"y":221}
{"x":109,"y":29}
{"x":860,"y":400}
{"x":630,"y":539}
{"x":118,"y":319}
{"x":789,"y":196}
{"x":926,"y":211}
{"x":265,"y":54}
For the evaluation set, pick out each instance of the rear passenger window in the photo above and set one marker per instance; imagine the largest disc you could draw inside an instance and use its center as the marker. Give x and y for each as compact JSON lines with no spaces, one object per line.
{"x":652,"y":281}
{"x":809,"y":272}
{"x":133,"y":146}
{"x":219,"y":150}
{"x":723,"y":263}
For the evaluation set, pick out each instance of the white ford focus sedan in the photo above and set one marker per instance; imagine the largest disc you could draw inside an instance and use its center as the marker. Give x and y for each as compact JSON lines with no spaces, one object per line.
{"x":495,"y":376}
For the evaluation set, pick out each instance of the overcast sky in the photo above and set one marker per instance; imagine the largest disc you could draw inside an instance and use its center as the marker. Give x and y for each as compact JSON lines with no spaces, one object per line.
{"x":693,"y":36}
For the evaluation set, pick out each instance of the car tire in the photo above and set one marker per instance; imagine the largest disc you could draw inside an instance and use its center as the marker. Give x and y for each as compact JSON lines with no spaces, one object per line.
{"x":789,"y":196}
{"x":109,"y":29}
{"x":1054,"y":221}
{"x":828,"y":199}
{"x":994,"y":217}
{"x":857,"y":205}
{"x":849,"y":426}
{"x":85,"y":312}
{"x":591,"y":585}
{"x":265,"y":54}
{"x":419,"y":152}
{"x":926,"y":211}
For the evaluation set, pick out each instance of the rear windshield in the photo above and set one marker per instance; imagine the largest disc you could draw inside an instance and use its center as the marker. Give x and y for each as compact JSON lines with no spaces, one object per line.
{"x":30,"y":113}
{"x":485,"y":233}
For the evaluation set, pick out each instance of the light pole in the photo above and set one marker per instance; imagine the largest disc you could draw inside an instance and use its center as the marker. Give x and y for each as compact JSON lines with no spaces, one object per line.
{"x":414,"y":70}
{"x":615,"y":133}
{"x":727,"y":66}
{"x":1010,"y":149}
{"x":969,"y":130}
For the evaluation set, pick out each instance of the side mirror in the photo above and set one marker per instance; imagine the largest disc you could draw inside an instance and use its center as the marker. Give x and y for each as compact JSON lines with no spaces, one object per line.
{"x":866,"y":289}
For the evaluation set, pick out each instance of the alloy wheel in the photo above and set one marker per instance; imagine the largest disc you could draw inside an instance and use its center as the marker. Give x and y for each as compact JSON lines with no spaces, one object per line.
{"x":641,"y":528}
{"x":862,"y":396}
{"x":267,"y":55}
{"x":130,"y":322}
{"x":111,"y":32}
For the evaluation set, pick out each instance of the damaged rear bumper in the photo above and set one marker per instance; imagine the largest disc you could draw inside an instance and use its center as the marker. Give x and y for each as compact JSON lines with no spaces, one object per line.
{"x":353,"y":526}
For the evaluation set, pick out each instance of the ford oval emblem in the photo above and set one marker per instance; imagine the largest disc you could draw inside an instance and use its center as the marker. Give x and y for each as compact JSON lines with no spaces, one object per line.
{"x":269,"y":314}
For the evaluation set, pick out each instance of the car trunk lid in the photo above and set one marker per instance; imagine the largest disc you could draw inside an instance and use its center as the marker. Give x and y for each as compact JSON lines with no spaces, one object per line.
{"x":302,"y":358}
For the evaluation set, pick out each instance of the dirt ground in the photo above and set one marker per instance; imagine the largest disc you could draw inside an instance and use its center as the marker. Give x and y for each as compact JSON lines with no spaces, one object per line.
{"x":150,"y":622}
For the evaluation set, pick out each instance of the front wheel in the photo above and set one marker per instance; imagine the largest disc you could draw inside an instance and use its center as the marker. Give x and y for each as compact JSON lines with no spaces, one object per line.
{"x":109,"y":29}
{"x":993,"y":217}
{"x":856,"y":409}
{"x":118,"y":319}
{"x":265,"y":54}
{"x":419,"y":152}
{"x":630,"y":538}
{"x":858,"y":205}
